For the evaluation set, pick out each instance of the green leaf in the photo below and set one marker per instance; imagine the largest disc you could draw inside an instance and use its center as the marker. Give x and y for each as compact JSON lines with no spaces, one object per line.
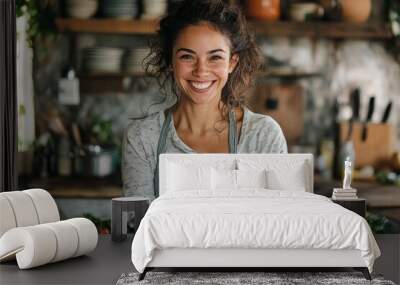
{"x":22,"y":110}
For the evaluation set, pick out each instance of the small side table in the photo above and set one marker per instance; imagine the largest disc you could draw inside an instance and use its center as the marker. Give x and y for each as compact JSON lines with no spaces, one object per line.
{"x":358,"y":205}
{"x":124,"y":209}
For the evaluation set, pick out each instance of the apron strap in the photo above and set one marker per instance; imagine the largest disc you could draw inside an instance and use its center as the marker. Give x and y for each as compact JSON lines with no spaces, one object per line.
{"x":162,"y":141}
{"x":232,"y":132}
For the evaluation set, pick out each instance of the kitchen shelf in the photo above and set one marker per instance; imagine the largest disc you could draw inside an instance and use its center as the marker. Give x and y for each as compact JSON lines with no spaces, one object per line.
{"x":79,"y":187}
{"x":272,"y":29}
{"x":324,"y":30}
{"x":102,"y":83}
{"x":107,"y":26}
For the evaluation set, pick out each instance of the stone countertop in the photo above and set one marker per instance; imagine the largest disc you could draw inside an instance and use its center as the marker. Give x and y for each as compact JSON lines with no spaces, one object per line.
{"x":79,"y":187}
{"x":377,"y":195}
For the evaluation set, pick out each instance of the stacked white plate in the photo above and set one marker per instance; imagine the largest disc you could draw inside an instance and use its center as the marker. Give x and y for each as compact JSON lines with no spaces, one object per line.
{"x":120,"y":9}
{"x":153,"y":9}
{"x":133,"y":63}
{"x":102,"y":60}
{"x":81,"y":9}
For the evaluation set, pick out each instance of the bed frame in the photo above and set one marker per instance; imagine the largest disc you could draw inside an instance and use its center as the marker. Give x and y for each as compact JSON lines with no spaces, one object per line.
{"x":248,"y":259}
{"x":245,"y":259}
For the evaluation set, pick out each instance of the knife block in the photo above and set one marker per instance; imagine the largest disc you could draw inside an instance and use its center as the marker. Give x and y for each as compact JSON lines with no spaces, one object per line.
{"x":378,"y":147}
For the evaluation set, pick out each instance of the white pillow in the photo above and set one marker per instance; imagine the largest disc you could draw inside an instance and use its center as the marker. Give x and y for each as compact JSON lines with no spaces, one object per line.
{"x":182,"y":177}
{"x":224,"y":179}
{"x":281,"y":174}
{"x":295,"y":180}
{"x":228,"y":179}
{"x":251,"y":178}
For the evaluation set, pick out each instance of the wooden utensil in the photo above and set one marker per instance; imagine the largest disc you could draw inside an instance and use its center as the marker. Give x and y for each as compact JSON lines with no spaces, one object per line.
{"x":76,"y":134}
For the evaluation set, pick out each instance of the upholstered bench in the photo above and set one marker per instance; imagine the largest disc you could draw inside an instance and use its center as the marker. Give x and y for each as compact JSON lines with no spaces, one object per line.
{"x":31,"y":231}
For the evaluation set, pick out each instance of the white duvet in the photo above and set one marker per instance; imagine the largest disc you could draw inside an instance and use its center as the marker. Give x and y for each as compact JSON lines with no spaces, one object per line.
{"x":253,"y":218}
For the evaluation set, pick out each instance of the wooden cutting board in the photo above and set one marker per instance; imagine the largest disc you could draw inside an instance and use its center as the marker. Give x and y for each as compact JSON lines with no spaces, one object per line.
{"x":289,"y":111}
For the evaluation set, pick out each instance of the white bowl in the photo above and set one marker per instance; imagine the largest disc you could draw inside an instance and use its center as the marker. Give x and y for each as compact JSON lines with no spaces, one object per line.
{"x":156,"y":8}
{"x":299,"y":11}
{"x":82,"y":10}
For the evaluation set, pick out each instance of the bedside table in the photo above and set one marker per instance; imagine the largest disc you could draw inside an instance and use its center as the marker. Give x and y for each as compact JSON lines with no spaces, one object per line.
{"x":126,"y":210}
{"x":358,"y":205}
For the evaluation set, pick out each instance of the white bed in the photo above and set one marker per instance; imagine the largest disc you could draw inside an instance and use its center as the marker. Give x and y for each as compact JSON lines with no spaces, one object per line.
{"x":201,"y":219}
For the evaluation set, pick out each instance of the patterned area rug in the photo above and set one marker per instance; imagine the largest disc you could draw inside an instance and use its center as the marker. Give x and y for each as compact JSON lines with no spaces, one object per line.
{"x":242,"y":278}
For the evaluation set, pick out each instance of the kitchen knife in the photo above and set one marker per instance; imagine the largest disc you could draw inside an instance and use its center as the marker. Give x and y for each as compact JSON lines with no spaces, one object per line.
{"x":386,"y":113}
{"x":355,"y":106}
{"x":371,"y":107}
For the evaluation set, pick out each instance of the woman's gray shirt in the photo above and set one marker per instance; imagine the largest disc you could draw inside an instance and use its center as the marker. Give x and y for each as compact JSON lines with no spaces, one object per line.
{"x":259,"y":134}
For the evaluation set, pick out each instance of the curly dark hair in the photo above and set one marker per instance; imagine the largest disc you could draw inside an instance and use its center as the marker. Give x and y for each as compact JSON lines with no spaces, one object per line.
{"x":225,"y":18}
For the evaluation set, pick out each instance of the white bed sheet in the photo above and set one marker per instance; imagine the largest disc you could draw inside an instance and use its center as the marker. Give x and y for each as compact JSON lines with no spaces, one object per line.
{"x":252,"y":218}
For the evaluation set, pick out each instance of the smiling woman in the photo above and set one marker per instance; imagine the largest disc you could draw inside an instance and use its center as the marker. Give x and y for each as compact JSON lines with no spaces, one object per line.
{"x":201,"y":62}
{"x":205,"y":56}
